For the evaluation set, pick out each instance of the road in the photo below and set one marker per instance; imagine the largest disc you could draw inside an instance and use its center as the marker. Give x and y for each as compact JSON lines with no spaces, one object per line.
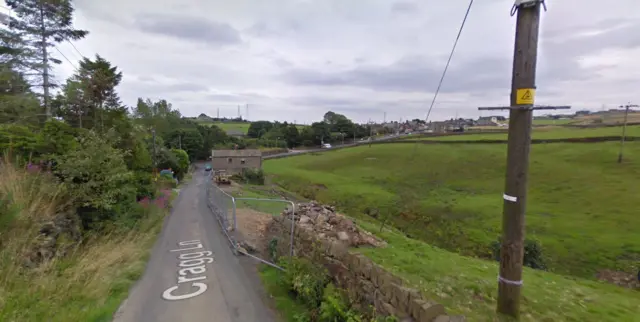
{"x":337,"y":147}
{"x":192,"y":274}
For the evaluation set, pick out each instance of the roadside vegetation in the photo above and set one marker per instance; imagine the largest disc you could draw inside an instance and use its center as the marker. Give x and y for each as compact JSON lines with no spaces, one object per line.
{"x":81,"y":200}
{"x":467,"y":286}
{"x":464,"y":284}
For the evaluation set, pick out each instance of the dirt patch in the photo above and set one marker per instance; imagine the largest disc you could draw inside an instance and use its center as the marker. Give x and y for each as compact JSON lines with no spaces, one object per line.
{"x":619,"y":278}
{"x":327,"y":224}
{"x":252,"y":226}
{"x":319,"y":186}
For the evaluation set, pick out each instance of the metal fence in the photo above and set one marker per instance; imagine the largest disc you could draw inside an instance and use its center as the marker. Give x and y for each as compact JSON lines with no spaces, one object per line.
{"x":224,"y":207}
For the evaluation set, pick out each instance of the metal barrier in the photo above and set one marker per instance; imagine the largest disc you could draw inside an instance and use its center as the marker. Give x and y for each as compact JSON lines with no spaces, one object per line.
{"x":224,"y":206}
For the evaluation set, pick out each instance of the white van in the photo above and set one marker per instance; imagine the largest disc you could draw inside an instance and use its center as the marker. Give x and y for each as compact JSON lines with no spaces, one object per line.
{"x":326,"y":146}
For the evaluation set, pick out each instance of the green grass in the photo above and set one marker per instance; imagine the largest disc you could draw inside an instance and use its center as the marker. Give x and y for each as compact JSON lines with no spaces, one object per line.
{"x":552,"y":121}
{"x":468,"y":286}
{"x":261,"y":192}
{"x":237,"y":126}
{"x":284,"y":303}
{"x":582,"y":205}
{"x":543,"y":133}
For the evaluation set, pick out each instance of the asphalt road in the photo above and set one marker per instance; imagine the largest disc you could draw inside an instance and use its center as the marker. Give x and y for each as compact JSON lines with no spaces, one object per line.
{"x":192,"y":274}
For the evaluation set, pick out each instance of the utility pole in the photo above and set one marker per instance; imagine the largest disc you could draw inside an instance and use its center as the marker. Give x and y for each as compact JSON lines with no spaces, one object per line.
{"x":384,"y":120}
{"x":155,"y":160}
{"x":246,"y":112}
{"x":370,"y":132}
{"x":238,"y":111}
{"x":523,"y":87}
{"x":179,"y":141}
{"x":624,"y":129}
{"x":218,"y":114}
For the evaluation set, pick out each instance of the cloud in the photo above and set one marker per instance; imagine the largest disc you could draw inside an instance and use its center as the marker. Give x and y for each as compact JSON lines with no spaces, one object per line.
{"x":293,"y":59}
{"x":188,"y":28}
{"x":404,"y":7}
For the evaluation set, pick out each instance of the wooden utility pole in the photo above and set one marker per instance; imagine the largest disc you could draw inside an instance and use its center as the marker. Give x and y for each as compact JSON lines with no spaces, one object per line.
{"x":624,"y":129}
{"x":523,"y":88}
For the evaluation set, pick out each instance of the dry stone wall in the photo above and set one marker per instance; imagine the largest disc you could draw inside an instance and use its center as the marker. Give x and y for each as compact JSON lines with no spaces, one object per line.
{"x":326,"y":238}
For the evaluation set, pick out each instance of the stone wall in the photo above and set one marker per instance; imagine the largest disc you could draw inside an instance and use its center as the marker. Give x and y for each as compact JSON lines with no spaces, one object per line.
{"x":367,"y":283}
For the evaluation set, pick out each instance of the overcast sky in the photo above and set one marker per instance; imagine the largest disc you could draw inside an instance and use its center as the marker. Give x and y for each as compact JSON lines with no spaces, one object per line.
{"x":296,"y":59}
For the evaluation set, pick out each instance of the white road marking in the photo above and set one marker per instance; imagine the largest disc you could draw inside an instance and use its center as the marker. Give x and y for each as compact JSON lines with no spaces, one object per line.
{"x":193,"y":269}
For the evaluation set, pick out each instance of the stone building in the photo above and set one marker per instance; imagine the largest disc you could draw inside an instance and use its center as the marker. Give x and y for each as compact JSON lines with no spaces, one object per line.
{"x":234,"y":161}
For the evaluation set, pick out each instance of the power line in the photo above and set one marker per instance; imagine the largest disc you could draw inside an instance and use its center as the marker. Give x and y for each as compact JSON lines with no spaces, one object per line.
{"x":65,"y":57}
{"x":444,"y":73}
{"x":74,"y":47}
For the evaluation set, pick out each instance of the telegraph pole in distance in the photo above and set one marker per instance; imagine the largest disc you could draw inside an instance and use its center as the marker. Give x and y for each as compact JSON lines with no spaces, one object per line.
{"x":523,"y":87}
{"x":624,"y":129}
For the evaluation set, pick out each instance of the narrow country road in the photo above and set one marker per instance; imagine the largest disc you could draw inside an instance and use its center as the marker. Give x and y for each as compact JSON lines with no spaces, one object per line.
{"x":192,"y":274}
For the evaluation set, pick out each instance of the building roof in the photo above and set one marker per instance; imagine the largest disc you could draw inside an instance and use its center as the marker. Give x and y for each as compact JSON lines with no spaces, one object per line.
{"x":236,"y":153}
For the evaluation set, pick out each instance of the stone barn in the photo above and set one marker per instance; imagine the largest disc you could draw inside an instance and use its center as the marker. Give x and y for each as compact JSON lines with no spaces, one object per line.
{"x":234,"y":161}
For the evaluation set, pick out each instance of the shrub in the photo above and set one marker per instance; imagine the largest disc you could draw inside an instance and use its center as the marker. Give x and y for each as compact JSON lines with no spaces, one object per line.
{"x":165,"y":182}
{"x":253,"y":176}
{"x":335,"y":307}
{"x":97,"y":176}
{"x":183,"y":162}
{"x":306,"y":280}
{"x":144,"y":185}
{"x":533,"y":255}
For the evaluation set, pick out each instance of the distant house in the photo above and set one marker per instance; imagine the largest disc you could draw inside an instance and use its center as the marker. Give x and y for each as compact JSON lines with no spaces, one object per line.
{"x":487,"y":121}
{"x":234,"y":161}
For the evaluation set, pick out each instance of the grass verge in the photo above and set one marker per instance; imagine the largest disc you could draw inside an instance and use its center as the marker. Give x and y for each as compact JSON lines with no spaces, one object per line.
{"x":468,"y":286}
{"x":89,"y":282}
{"x":284,"y":302}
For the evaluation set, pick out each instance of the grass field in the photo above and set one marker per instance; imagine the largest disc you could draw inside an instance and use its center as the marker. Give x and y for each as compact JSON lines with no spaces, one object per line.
{"x":552,"y":121}
{"x":582,"y":204}
{"x":468,"y":286}
{"x":237,"y":126}
{"x":551,"y":132}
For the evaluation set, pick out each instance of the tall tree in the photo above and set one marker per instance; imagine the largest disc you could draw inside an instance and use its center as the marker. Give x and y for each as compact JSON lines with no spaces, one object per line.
{"x":41,"y":24}
{"x":99,"y":80}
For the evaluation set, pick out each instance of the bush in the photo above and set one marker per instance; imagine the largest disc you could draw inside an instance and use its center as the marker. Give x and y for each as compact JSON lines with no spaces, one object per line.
{"x":165,"y":182}
{"x":533,"y":255}
{"x":96,"y":175}
{"x":306,"y":280}
{"x":335,"y":307}
{"x":144,"y":185}
{"x":253,"y":176}
{"x":183,"y":162}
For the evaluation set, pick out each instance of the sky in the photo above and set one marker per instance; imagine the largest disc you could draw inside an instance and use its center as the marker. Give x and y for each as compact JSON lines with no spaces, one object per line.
{"x":294,"y":60}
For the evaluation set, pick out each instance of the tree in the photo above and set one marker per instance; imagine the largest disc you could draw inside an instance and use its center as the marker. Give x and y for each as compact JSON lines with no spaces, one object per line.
{"x":259,"y":128}
{"x":99,"y":81}
{"x":41,"y":24}
{"x":291,"y":136}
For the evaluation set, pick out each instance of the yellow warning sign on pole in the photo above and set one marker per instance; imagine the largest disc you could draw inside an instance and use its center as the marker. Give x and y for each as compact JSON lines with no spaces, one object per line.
{"x":525,"y":96}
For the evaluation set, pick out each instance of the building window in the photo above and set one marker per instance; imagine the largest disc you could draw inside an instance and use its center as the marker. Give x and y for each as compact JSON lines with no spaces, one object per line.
{"x":242,"y":161}
{"x":229,"y":160}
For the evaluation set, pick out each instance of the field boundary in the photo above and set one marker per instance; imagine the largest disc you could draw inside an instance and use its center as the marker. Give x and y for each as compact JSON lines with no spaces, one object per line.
{"x":594,"y":139}
{"x":599,"y":139}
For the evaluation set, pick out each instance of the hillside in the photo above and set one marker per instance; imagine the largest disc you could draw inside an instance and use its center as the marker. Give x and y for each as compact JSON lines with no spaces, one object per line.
{"x":580,"y":206}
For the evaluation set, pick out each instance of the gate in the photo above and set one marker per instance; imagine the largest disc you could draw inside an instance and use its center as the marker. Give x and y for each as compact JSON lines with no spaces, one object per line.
{"x":224,"y":207}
